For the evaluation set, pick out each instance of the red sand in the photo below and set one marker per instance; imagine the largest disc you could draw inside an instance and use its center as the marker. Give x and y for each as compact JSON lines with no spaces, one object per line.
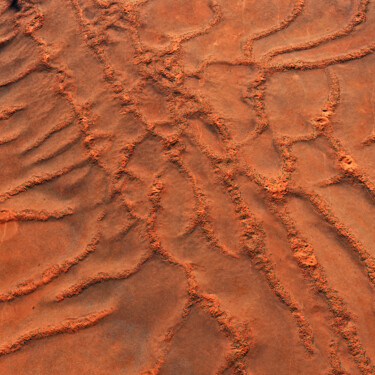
{"x":187,"y":187}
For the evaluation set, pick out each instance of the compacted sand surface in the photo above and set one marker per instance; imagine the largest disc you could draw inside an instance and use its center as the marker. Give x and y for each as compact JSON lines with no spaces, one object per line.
{"x":187,"y":187}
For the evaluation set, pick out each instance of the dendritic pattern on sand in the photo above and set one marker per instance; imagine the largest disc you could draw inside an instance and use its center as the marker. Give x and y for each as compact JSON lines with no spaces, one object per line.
{"x":187,"y":187}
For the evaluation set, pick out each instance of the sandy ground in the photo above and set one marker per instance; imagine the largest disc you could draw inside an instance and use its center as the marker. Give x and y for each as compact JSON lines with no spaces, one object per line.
{"x":187,"y":187}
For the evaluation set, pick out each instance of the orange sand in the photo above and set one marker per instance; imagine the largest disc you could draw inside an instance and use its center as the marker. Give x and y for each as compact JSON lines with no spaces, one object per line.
{"x":187,"y":187}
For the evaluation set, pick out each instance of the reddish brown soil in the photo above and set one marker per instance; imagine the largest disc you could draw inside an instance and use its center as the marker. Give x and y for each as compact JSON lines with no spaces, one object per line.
{"x":187,"y":187}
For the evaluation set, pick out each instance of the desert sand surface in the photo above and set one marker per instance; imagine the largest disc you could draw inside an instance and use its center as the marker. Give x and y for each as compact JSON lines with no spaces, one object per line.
{"x":187,"y":187}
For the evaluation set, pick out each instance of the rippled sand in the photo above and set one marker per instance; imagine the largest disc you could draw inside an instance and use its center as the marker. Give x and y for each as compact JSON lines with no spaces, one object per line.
{"x":187,"y":187}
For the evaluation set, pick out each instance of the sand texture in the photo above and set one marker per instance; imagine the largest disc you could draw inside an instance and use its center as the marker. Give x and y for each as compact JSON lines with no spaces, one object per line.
{"x":187,"y":187}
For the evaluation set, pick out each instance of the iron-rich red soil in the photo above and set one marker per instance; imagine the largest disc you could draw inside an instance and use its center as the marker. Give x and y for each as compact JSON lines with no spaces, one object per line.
{"x":187,"y":187}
